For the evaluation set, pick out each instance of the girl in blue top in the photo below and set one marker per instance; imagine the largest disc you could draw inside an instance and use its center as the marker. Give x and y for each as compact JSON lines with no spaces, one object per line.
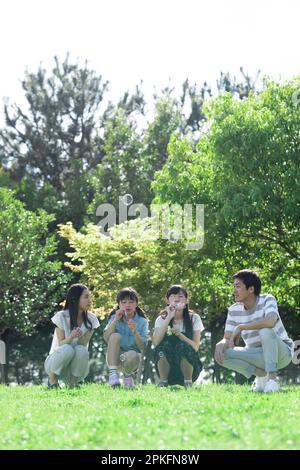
{"x":126,"y":337}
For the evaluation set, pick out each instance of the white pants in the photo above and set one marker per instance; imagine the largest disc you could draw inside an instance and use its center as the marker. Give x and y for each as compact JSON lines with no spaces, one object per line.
{"x":68,"y":360}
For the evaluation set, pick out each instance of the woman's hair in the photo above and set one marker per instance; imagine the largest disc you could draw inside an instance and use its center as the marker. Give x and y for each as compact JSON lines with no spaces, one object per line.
{"x":187,"y":321}
{"x":72,"y":304}
{"x":128,"y":293}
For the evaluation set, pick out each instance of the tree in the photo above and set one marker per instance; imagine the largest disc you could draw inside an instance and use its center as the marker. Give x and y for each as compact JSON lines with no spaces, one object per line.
{"x":246,"y":172}
{"x":240,"y":88}
{"x":131,"y":157}
{"x":255,"y":145}
{"x":31,"y":282}
{"x":51,"y":148}
{"x":121,"y":170}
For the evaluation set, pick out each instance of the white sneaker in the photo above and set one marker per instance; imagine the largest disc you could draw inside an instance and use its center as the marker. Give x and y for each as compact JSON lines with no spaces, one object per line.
{"x":259,"y":384}
{"x":272,"y":386}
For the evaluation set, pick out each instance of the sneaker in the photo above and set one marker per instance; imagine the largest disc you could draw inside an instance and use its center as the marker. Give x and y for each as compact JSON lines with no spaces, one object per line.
{"x":259,"y":384}
{"x":272,"y":386}
{"x":114,"y":380}
{"x":162,"y":383}
{"x":128,"y":381}
{"x":51,"y":386}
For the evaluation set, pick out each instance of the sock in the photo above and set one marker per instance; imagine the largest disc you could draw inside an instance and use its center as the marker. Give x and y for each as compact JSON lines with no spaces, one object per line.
{"x":165,"y":381}
{"x":112,"y":370}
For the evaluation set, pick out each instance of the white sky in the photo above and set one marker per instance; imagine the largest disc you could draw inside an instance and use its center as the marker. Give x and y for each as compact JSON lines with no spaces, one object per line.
{"x":153,"y":40}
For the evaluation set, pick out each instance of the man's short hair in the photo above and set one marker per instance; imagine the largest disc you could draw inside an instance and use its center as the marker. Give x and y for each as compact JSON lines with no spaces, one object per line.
{"x":250,"y":278}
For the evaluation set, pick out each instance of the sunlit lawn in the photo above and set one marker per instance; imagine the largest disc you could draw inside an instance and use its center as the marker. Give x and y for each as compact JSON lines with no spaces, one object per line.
{"x":97,"y":417}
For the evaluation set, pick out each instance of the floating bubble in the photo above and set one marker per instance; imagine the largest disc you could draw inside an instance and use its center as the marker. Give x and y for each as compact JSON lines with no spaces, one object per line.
{"x":127,"y":199}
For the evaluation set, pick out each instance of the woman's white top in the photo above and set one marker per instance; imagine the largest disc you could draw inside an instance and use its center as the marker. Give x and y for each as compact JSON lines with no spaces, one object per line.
{"x":62,"y":320}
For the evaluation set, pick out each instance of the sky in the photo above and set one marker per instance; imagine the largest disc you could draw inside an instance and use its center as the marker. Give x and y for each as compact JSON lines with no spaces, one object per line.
{"x":127,"y":41}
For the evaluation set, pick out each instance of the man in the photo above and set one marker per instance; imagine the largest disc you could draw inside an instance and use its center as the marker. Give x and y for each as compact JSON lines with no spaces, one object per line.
{"x":255,"y":317}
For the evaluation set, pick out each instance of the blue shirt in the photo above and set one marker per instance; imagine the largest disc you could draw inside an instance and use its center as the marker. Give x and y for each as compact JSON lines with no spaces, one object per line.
{"x":127,"y":336}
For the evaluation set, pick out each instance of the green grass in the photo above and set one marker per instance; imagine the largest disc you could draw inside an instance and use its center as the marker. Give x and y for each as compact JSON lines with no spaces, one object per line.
{"x":96,"y":417}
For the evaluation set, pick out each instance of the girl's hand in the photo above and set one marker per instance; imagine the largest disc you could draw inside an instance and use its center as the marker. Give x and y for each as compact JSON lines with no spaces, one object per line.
{"x":170,"y":309}
{"x":119,"y":314}
{"x":76,"y":333}
{"x":176,"y":331}
{"x":132,"y":325}
{"x":179,"y":305}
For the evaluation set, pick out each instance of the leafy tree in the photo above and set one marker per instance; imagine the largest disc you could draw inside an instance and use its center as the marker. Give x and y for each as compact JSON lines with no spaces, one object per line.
{"x":121,"y":171}
{"x":245,"y":170}
{"x":31,"y":282}
{"x":49,"y":147}
{"x":239,"y":87}
{"x":255,"y":146}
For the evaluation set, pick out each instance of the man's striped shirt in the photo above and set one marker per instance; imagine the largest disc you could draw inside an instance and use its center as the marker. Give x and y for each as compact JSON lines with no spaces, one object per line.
{"x":264,"y":305}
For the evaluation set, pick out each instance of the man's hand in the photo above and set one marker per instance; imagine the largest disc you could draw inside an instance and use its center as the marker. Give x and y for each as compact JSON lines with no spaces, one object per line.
{"x":220,"y":351}
{"x":235,"y":336}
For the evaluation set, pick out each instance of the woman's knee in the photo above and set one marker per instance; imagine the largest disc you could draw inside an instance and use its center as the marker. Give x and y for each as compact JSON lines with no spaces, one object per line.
{"x":59,"y":358}
{"x":81,"y":351}
{"x":67,"y":350}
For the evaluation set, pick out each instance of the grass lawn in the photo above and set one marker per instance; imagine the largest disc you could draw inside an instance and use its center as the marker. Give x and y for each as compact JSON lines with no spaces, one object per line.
{"x":96,"y":417}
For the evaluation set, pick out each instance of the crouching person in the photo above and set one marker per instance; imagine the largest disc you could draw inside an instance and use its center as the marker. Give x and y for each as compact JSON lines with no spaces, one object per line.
{"x":68,"y":359}
{"x":126,"y":337}
{"x":176,"y":338}
{"x":255,"y":317}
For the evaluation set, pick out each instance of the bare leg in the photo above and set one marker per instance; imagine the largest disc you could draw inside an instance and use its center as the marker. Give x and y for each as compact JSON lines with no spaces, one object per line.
{"x":186,"y":369}
{"x":131,"y":363}
{"x":113,"y":350}
{"x":163,"y":368}
{"x":53,"y":379}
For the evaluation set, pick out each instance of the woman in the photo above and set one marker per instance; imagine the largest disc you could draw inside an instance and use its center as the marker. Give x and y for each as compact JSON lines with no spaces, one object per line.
{"x":74,"y":326}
